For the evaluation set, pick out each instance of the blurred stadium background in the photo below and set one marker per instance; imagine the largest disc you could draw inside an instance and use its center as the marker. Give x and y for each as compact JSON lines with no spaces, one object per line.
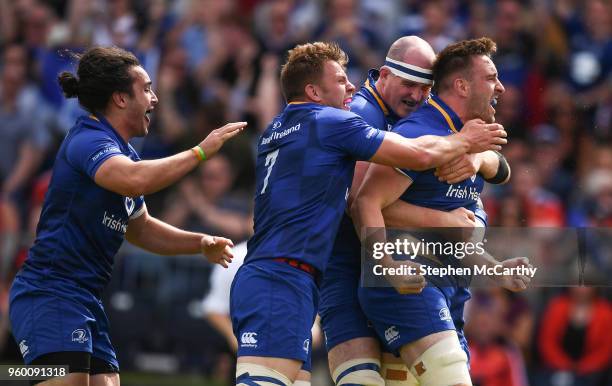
{"x":213,"y":61}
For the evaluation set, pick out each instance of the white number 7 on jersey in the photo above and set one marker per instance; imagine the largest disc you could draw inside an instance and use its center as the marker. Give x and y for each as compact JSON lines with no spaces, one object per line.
{"x":270,"y":161}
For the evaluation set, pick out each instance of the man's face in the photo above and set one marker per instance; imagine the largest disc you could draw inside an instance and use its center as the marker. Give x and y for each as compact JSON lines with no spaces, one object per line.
{"x":484,"y":89}
{"x":14,"y":68}
{"x":141,"y":103}
{"x":403,"y":96}
{"x":334,"y":88}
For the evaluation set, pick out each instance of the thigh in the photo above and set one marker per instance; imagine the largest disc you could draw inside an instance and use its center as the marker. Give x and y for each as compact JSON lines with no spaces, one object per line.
{"x":273,"y":307}
{"x":104,"y":380}
{"x":357,"y":348}
{"x":74,"y":379}
{"x":402,"y":319}
{"x":342,"y":318}
{"x":78,"y":363}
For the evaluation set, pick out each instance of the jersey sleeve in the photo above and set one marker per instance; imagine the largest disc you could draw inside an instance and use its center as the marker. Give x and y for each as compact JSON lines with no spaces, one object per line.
{"x":350,"y":134}
{"x":409,"y":128}
{"x":371,"y":114}
{"x":139,"y":207}
{"x":88,"y":150}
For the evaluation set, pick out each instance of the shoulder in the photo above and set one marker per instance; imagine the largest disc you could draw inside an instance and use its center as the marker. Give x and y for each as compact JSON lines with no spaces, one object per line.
{"x":87,"y":130}
{"x":332,"y":115}
{"x":368,"y":111}
{"x":424,"y":121}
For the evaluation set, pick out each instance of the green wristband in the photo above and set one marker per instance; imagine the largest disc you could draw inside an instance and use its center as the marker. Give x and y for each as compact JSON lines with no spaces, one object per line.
{"x":199,"y":152}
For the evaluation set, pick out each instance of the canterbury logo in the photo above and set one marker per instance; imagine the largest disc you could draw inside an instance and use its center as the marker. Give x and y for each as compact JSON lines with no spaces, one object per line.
{"x":248,"y":338}
{"x":391,"y":334}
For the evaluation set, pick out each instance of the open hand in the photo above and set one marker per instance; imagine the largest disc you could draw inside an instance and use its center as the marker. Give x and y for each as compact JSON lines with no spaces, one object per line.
{"x":218,"y":250}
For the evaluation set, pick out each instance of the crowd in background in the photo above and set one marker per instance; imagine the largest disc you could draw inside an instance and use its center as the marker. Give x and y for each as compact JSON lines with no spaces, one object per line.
{"x":214,"y":61}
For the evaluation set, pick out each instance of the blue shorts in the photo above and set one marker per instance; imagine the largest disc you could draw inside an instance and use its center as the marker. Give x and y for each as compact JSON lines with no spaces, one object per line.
{"x":273,"y":307}
{"x":46,"y":321}
{"x":402,"y":319}
{"x":342,"y":318}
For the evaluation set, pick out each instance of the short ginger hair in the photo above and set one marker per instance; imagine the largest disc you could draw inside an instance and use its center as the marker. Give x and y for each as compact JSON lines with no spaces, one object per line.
{"x":304,"y":65}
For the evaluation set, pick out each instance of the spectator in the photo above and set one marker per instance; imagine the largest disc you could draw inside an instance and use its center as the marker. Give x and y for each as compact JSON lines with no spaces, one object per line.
{"x":575,"y":337}
{"x":24,"y":140}
{"x":204,"y":202}
{"x":494,"y":361}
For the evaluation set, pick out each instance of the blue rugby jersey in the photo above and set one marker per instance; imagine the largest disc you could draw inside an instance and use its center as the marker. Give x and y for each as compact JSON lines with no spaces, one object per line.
{"x":82,"y":225}
{"x":305,"y":164}
{"x":436,"y":118}
{"x":369,"y":105}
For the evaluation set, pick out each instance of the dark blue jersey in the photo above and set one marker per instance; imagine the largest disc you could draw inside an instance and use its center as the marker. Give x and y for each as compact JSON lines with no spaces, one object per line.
{"x":305,"y":164}
{"x":436,"y":118}
{"x":82,"y":225}
{"x":370,"y":106}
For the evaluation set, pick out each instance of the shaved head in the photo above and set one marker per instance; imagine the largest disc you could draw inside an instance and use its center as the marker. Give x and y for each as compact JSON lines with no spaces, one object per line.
{"x":412,"y":50}
{"x":405,"y":78}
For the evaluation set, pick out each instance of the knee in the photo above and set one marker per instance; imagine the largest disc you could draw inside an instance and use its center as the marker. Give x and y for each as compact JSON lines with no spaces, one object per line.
{"x":443,"y":364}
{"x":248,"y":374}
{"x":364,"y":371}
{"x":396,"y":373}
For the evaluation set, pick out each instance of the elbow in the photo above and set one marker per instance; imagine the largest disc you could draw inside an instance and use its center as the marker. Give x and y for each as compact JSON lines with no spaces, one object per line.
{"x":135,"y":187}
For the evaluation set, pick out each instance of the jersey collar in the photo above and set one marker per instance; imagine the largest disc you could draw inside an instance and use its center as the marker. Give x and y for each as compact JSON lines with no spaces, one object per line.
{"x":370,"y":87}
{"x":103,"y":122}
{"x":451,"y":118}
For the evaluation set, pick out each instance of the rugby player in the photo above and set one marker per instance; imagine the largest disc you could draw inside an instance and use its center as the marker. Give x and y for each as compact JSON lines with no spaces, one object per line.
{"x":305,"y":163}
{"x":95,"y":200}
{"x":425,"y":329}
{"x":389,"y":94}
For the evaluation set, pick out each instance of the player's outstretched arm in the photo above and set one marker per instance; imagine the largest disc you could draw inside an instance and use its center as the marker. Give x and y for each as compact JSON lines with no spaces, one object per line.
{"x":132,"y":179}
{"x":492,"y":165}
{"x":159,"y":237}
{"x":430,"y":151}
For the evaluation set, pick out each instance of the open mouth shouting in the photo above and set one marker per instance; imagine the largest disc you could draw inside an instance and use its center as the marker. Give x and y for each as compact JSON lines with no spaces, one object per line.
{"x":493,"y":103}
{"x":147,"y":115}
{"x":346,"y":103}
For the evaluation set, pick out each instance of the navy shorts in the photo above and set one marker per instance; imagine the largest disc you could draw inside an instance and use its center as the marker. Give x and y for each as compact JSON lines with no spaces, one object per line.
{"x":273,"y":307}
{"x":47,"y":321}
{"x":342,"y":318}
{"x":402,"y":319}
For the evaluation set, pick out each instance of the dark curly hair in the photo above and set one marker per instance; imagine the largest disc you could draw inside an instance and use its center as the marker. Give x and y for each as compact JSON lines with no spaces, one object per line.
{"x":101,"y":72}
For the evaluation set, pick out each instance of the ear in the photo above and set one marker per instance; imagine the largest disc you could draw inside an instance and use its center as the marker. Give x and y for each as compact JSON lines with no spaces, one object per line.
{"x":313,"y":92}
{"x":384,"y":73}
{"x":120,"y":99}
{"x":461,"y":87}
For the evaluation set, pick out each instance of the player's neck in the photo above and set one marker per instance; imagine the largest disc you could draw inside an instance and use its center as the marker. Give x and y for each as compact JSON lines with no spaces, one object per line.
{"x":304,"y":99}
{"x":119,"y":125}
{"x":379,"y":86}
{"x":456,"y":104}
